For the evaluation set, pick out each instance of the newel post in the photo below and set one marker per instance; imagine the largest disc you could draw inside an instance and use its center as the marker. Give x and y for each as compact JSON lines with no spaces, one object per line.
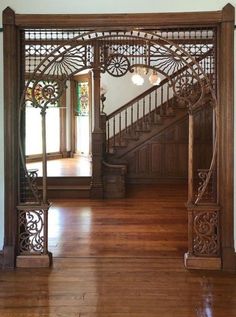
{"x":96,"y":190}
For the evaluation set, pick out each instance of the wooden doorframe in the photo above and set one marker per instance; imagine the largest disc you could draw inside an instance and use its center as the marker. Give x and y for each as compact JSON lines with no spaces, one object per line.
{"x":223,"y":19}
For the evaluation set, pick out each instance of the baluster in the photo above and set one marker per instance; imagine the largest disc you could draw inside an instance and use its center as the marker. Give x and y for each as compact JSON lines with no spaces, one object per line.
{"x":132,"y":118}
{"x":108,"y":136}
{"x":150,"y":108}
{"x":120,"y":128}
{"x":114,"y":131}
{"x":155,"y":112}
{"x":162,"y":97}
{"x":167,"y":100}
{"x":143,"y":118}
{"x":138,"y":112}
{"x":156,"y":100}
{"x":126,"y":121}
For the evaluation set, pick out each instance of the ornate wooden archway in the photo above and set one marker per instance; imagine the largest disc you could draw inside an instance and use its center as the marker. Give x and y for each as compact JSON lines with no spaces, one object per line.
{"x":207,"y":228}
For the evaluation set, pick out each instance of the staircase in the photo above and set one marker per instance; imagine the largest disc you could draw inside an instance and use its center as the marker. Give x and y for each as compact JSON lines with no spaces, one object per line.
{"x":144,"y":117}
{"x":149,"y":135}
{"x":140,"y":119}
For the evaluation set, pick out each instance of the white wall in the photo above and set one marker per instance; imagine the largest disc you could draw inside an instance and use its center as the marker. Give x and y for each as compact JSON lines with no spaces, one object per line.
{"x":91,"y":6}
{"x":121,"y":90}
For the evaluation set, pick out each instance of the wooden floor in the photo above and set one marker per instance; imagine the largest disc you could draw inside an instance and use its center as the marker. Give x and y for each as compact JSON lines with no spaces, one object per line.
{"x":119,"y":258}
{"x":126,"y":287}
{"x":150,"y":222}
{"x":77,"y":166}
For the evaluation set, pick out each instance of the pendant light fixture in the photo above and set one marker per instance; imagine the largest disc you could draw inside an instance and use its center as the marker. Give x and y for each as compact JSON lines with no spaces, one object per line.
{"x":136,"y":78}
{"x":154,"y":79}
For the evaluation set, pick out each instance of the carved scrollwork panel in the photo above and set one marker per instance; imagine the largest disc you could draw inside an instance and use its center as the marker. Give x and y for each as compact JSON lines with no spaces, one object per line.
{"x":206,"y":233}
{"x":31,"y":230}
{"x":206,"y":191}
{"x":188,"y":88}
{"x":32,"y":176}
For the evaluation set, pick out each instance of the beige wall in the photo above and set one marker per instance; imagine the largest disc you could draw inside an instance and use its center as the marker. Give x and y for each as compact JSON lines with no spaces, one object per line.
{"x":91,"y":6}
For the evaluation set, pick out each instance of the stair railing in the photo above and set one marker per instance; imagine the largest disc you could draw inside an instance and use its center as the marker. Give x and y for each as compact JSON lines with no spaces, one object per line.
{"x":138,"y":114}
{"x":141,"y":112}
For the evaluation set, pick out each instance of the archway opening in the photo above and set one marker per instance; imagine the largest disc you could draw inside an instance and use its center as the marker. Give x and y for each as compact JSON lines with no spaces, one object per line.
{"x":186,"y":60}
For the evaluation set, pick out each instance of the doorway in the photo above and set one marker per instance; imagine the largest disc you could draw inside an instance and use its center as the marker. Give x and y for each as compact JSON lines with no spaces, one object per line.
{"x":205,"y":213}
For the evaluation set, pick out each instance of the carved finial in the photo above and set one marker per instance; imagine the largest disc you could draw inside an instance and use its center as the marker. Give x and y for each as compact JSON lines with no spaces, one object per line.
{"x":228,"y":13}
{"x":8,"y":16}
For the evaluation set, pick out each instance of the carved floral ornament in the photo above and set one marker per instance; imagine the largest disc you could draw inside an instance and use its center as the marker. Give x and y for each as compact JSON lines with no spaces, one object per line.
{"x":157,"y":54}
{"x":31,"y":227}
{"x":206,"y":233}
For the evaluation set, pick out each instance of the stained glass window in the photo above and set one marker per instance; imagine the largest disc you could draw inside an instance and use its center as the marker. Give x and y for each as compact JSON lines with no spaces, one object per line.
{"x":82,"y":108}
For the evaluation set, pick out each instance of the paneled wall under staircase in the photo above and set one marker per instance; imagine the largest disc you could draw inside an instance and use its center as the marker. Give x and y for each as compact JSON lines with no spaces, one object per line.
{"x":164,"y":157}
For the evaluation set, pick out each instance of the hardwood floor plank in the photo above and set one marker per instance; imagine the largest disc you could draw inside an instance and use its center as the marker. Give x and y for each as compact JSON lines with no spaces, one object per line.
{"x":119,"y":258}
{"x":150,"y":222}
{"x":117,"y":287}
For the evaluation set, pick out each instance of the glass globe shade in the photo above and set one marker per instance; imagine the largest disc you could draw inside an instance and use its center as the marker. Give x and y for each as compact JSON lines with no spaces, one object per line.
{"x":154,"y":79}
{"x":137,"y":79}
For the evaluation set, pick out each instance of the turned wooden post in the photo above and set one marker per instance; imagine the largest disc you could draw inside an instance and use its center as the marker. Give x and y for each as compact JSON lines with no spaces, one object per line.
{"x":190,"y":182}
{"x":44,"y":155}
{"x":97,"y":134}
{"x":190,"y":158}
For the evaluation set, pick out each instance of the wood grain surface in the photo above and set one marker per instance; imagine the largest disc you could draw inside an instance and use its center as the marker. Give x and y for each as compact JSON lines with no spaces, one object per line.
{"x":150,"y":222}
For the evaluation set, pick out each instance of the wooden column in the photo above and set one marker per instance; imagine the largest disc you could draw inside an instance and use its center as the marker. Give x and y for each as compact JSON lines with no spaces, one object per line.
{"x":97,"y":134}
{"x":226,"y":115}
{"x":203,"y":222}
{"x":11,"y":100}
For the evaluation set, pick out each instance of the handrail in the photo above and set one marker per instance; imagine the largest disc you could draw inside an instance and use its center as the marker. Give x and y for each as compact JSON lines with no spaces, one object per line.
{"x":148,"y":91}
{"x":132,"y":101}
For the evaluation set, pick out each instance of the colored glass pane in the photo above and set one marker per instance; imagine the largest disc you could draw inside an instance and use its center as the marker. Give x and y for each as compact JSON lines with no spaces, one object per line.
{"x":82,"y":99}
